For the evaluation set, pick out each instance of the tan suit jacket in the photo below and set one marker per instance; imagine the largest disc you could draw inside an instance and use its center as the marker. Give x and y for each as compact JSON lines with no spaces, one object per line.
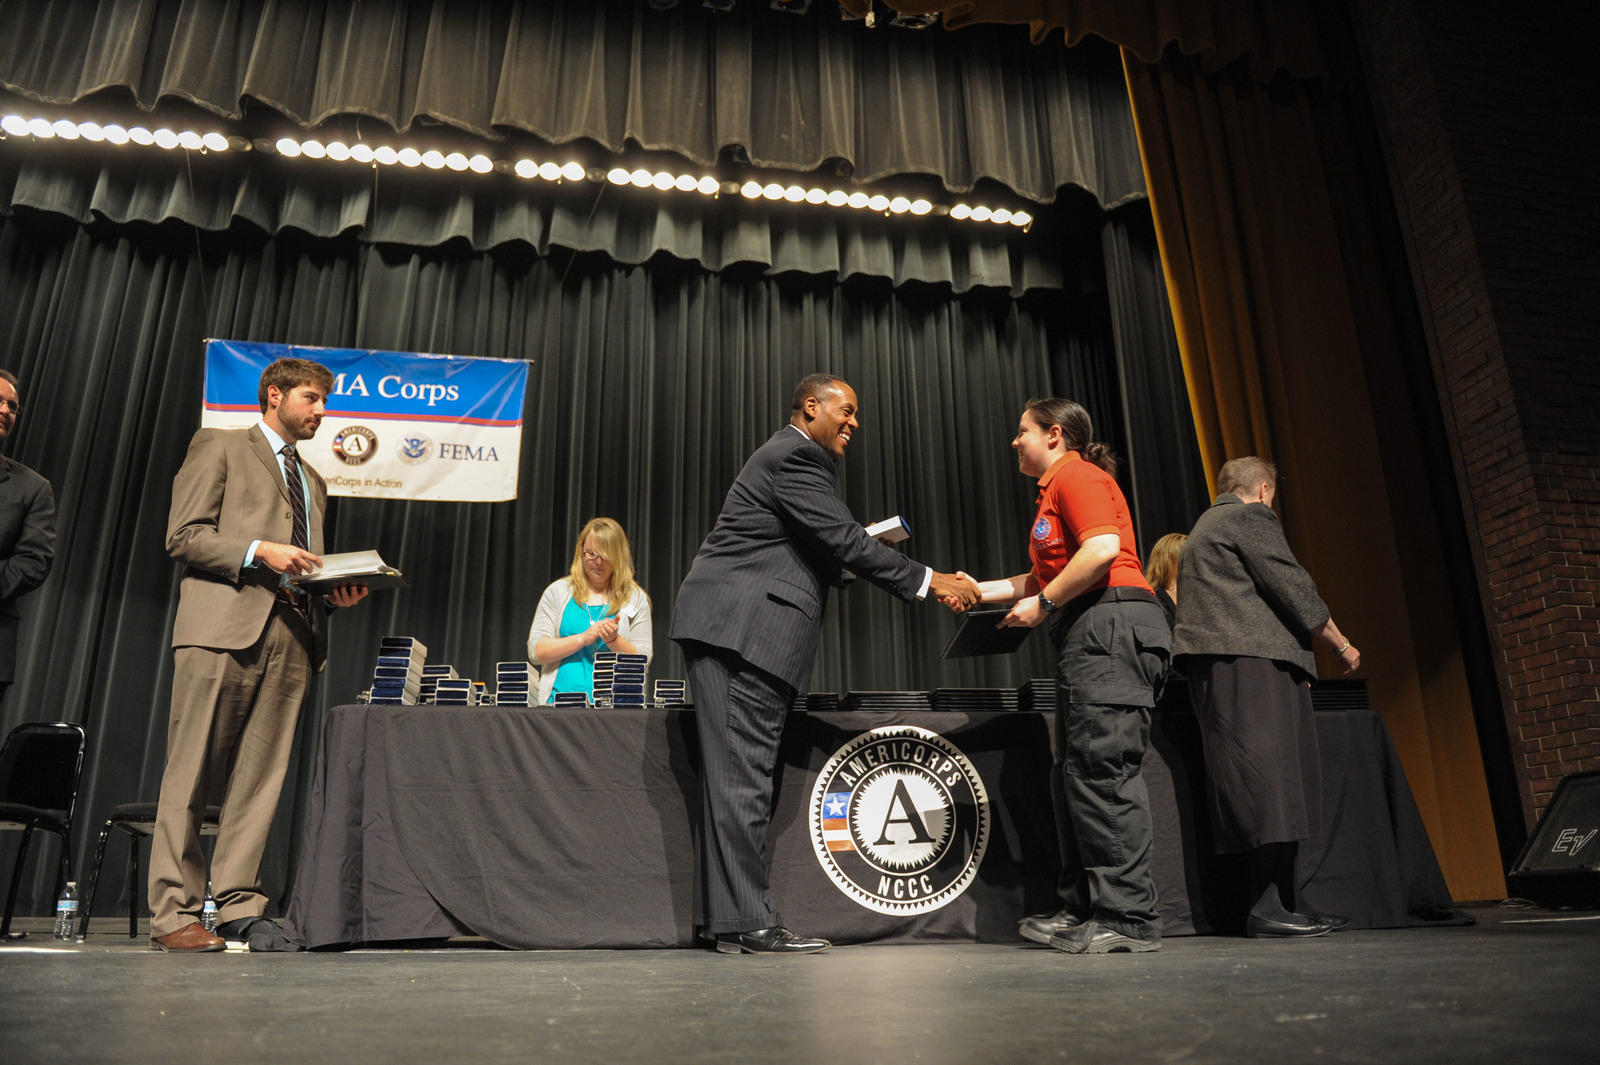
{"x":228,"y":493}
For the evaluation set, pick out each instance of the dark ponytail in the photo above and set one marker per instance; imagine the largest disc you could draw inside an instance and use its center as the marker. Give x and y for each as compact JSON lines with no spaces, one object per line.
{"x":1076,"y":428}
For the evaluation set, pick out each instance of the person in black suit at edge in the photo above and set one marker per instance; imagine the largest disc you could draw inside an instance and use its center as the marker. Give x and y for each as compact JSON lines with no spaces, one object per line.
{"x":748,"y":617}
{"x":27,"y":532}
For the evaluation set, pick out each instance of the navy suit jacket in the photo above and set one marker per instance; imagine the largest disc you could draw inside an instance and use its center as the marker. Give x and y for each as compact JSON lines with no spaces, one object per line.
{"x":761,"y":579}
{"x":27,"y":547}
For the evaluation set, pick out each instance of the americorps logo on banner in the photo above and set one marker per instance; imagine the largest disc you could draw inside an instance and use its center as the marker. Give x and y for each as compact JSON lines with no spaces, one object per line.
{"x":400,"y":425}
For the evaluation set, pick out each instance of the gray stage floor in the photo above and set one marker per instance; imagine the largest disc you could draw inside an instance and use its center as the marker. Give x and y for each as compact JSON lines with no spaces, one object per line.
{"x":1519,"y":987}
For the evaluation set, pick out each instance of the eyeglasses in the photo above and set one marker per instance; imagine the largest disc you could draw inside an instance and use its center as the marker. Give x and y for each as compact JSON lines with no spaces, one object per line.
{"x":11,"y":405}
{"x":592,"y":556}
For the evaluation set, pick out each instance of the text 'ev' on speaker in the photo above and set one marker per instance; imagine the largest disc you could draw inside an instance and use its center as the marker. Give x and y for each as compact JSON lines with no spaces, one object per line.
{"x":1560,"y":865}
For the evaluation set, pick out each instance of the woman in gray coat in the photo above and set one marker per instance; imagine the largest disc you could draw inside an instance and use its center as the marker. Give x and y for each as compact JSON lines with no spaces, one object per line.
{"x":1247,"y":613}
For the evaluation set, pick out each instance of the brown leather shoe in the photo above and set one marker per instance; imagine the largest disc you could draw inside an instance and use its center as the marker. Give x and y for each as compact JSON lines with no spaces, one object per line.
{"x":190,"y":939}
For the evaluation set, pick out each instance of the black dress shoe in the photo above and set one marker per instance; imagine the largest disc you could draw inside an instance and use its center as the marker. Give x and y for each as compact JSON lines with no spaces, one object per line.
{"x":1285,"y":926}
{"x":1041,"y":926}
{"x":1092,"y":937}
{"x":1332,"y":920}
{"x":240,"y":929}
{"x":776,"y":940}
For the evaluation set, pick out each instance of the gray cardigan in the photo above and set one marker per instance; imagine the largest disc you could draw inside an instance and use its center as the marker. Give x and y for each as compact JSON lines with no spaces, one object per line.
{"x":1241,"y":591}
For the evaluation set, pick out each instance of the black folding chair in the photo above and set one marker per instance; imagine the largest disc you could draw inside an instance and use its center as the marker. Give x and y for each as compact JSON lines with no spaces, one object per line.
{"x":39,"y":769}
{"x":138,"y":820}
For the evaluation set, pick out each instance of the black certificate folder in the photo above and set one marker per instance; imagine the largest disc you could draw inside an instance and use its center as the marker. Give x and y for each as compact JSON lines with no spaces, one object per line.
{"x":979,"y":634}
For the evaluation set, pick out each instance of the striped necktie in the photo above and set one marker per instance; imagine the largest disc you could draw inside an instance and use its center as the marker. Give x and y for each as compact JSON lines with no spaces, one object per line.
{"x":297,"y":498}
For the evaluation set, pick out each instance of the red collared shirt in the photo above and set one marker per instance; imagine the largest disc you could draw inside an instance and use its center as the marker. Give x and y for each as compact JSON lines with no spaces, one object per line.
{"x":1077,"y":500}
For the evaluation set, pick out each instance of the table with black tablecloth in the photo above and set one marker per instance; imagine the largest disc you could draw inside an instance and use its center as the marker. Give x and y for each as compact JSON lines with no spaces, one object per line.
{"x":544,"y":828}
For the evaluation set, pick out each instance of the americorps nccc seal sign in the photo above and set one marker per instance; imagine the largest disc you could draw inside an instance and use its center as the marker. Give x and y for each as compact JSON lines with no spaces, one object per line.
{"x":900,"y":820}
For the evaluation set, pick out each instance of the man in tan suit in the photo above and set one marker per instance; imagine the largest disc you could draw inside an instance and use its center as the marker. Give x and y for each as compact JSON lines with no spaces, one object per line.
{"x":246,"y":515}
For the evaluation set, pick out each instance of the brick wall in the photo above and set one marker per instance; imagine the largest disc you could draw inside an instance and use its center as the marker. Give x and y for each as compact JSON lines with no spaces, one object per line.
{"x":1490,"y":124}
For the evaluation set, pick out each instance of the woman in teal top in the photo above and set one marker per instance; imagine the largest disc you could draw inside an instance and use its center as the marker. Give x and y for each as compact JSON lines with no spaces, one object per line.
{"x":596,"y":607}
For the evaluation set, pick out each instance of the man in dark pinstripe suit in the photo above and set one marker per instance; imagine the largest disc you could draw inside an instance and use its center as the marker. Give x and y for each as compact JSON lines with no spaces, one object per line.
{"x":748,"y":617}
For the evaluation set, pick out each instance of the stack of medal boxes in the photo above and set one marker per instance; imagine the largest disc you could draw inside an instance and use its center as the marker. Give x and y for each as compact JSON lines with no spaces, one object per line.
{"x":569,"y":700}
{"x":431,"y":676}
{"x":619,"y":679}
{"x":398,"y":675}
{"x":512,"y":682}
{"x":671,"y":693}
{"x":455,"y":691}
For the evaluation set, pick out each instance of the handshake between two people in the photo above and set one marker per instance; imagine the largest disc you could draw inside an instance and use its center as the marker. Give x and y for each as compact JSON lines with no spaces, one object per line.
{"x":960,"y":591}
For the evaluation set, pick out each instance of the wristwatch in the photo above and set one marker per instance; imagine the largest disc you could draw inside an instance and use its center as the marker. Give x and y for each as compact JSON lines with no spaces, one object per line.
{"x":1046,"y":605}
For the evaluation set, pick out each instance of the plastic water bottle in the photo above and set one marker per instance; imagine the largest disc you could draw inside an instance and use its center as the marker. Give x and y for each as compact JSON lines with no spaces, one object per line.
{"x":208,"y":911}
{"x":67,"y":911}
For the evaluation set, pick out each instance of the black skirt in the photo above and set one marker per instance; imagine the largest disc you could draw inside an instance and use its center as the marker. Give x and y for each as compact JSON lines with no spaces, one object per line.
{"x":1263,"y":770}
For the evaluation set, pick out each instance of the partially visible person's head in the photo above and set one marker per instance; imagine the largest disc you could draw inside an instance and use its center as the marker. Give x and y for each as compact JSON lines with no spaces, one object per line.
{"x":10,"y":402}
{"x":824,"y":408}
{"x":1246,"y":477}
{"x":602,"y":559}
{"x":292,"y":393}
{"x":1077,"y":431}
{"x":1161,"y":571}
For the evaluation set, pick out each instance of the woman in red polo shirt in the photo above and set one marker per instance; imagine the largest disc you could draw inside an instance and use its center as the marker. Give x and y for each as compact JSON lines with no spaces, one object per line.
{"x":1112,"y":644}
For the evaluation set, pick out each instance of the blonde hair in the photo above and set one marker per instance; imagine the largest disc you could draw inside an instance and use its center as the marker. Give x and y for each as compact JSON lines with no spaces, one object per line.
{"x":614,"y":548}
{"x":1162,"y":569}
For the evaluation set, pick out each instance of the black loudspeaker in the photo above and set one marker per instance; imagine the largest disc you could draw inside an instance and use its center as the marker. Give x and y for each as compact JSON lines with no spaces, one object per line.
{"x":1560,"y":865}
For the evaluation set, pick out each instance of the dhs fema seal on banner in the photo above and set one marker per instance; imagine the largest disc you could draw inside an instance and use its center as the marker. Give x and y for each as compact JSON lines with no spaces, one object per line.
{"x":414,"y":449}
{"x":900,"y":820}
{"x":355,"y":444}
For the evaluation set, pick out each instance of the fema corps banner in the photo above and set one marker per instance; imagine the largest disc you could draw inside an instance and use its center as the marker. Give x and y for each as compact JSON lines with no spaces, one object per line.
{"x":399,"y":425}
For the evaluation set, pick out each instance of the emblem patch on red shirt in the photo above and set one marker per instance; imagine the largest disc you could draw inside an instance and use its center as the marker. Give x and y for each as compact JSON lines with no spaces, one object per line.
{"x":1041,"y":529}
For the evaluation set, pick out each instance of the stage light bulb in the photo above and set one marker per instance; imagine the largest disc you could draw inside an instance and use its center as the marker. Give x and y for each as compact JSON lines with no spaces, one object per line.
{"x":456,"y":161}
{"x":15,"y":125}
{"x":67,"y":131}
{"x":338,"y":151}
{"x":642,"y":179}
{"x":980,"y":214}
{"x":214,"y":142}
{"x":313,"y":150}
{"x":574,"y":172}
{"x":362,"y":153}
{"x":115,"y":134}
{"x":1000,"y":217}
{"x":288,"y":146}
{"x":41,"y":128}
{"x":663,"y":181}
{"x":794,"y":194}
{"x":858,"y":200}
{"x":409,"y":157}
{"x":750,"y":190}
{"x":961,"y":211}
{"x":480,"y":164}
{"x":920,"y":207}
{"x":816,"y":196}
{"x":838,"y":198}
{"x":878,"y":203}
{"x":141,"y":136}
{"x":91,"y":131}
{"x":1021,"y":218}
{"x":686,"y":183}
{"x":190,"y":141}
{"x":618,"y":176}
{"x":899,"y":205}
{"x":526,"y":168}
{"x":707,"y":185}
{"x":433,"y":159}
{"x":165,"y":138}
{"x":385,"y":155}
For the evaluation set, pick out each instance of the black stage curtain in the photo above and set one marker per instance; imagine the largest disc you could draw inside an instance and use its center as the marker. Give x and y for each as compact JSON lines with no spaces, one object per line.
{"x":793,"y":93}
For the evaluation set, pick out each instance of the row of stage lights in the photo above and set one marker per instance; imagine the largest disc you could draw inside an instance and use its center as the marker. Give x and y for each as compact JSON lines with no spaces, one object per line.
{"x":383,"y":155}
